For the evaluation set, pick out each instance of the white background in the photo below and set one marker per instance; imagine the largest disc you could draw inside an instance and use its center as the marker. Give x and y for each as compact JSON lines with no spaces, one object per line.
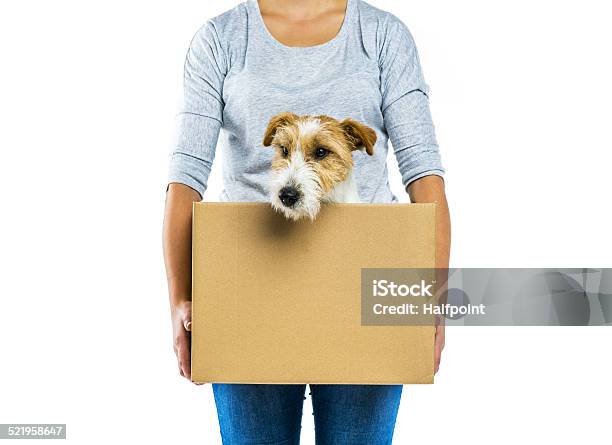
{"x":521,"y":98}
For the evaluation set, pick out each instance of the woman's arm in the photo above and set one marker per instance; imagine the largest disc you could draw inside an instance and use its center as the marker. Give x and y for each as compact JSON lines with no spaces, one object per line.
{"x":177,"y":257}
{"x":198,"y":125}
{"x":407,"y":117}
{"x":431,"y":189}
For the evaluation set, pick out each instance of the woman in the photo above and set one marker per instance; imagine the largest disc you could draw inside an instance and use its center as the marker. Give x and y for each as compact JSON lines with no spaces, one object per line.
{"x":342,"y":58}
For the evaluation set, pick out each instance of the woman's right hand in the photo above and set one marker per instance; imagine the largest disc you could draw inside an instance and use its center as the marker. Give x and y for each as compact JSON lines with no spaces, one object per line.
{"x":177,"y":256}
{"x":181,"y":329}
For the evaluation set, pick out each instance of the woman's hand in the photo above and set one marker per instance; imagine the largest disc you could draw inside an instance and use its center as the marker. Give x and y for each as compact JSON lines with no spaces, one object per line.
{"x":431,"y":189}
{"x":177,"y":256}
{"x":438,"y":346}
{"x":181,"y":329}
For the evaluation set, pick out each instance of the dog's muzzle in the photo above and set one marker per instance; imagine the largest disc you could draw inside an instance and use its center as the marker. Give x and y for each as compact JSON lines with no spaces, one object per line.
{"x":289,"y":196}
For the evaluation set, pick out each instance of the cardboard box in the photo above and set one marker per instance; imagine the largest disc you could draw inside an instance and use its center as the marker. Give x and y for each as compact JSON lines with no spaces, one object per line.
{"x":278,"y":301}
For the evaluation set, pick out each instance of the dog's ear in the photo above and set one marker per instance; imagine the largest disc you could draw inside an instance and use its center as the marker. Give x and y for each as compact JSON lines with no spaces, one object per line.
{"x":279,"y":120}
{"x":360,"y":136}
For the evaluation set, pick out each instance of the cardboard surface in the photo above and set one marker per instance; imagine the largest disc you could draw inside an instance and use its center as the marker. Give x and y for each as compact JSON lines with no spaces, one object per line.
{"x":277,"y":301}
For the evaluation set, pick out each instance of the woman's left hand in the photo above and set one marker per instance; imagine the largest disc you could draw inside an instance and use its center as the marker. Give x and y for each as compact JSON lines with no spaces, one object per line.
{"x":438,"y":345}
{"x":431,"y":189}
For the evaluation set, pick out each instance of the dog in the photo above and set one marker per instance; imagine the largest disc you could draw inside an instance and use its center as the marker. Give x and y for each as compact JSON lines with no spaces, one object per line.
{"x":313,"y":162}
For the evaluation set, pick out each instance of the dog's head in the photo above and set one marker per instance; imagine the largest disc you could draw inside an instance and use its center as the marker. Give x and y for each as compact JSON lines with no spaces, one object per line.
{"x":313,"y":155}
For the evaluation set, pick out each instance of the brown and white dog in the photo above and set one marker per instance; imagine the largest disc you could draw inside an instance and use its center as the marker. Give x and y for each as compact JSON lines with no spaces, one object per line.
{"x":314,"y":161}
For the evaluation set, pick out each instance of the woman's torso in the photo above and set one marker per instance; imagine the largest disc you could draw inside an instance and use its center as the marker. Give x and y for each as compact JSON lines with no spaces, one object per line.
{"x":340,"y":78}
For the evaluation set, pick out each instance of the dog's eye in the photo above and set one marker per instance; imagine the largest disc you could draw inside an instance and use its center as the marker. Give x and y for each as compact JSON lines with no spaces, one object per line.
{"x":284,"y":150}
{"x":321,"y":152}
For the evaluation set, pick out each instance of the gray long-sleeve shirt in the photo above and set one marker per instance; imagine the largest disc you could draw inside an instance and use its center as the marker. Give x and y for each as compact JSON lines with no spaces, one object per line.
{"x":237,"y":76}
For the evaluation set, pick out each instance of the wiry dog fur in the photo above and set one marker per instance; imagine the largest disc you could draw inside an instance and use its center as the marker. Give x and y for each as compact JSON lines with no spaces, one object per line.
{"x":298,"y":166}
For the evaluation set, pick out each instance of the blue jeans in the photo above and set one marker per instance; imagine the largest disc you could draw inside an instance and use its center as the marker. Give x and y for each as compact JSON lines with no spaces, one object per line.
{"x":272,"y":414}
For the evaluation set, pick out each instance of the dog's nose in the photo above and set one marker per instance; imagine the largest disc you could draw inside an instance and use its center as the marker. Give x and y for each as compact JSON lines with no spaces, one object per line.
{"x":289,"y":196}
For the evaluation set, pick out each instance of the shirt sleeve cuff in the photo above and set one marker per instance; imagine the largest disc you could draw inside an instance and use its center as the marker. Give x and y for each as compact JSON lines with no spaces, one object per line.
{"x":411,"y":176}
{"x":190,"y":171}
